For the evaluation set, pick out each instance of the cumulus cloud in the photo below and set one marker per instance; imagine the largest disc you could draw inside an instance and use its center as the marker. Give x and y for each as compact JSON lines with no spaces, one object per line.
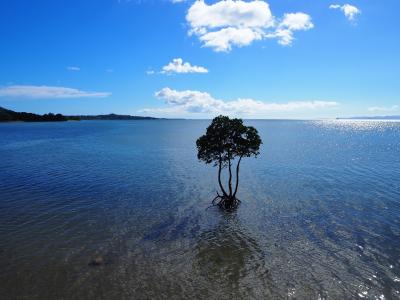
{"x":291,"y":22}
{"x":384,"y":108}
{"x":188,"y":101}
{"x":47,"y":92}
{"x":253,"y":14}
{"x":178,"y":66}
{"x":229,"y":23}
{"x":222,"y":40}
{"x":350,"y":11}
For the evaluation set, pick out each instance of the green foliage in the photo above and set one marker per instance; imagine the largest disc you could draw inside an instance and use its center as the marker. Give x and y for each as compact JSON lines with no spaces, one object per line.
{"x":226,"y":139}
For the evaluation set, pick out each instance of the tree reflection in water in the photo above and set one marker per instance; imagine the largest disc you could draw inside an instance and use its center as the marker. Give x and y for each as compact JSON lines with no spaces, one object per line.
{"x":232,"y":261}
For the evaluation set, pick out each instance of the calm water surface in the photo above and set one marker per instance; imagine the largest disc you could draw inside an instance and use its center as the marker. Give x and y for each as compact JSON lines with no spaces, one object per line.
{"x":320,"y":213}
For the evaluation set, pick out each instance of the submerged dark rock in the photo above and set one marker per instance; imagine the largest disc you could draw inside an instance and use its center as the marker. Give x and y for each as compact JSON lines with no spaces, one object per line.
{"x":97,"y":261}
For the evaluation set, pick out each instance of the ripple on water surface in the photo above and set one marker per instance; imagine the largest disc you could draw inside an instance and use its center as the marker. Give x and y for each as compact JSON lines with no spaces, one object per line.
{"x":108,"y":210}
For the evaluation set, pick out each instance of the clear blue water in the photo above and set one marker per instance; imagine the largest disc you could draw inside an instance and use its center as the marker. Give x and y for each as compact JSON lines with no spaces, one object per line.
{"x":320,"y":212}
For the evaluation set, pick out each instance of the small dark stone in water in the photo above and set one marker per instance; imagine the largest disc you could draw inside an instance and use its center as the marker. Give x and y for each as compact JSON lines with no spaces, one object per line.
{"x":97,"y":261}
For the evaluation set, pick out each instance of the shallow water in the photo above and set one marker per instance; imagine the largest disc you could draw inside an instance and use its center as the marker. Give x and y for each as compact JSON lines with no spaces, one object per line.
{"x":320,"y":213}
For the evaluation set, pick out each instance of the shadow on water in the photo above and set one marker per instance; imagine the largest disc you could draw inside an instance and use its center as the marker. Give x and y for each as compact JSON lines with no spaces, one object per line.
{"x":220,"y":261}
{"x":231,"y":261}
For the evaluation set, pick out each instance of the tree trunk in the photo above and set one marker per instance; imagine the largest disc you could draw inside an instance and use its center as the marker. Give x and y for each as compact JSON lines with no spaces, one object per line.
{"x":237,"y":176}
{"x":219,"y":180}
{"x":230,"y":179}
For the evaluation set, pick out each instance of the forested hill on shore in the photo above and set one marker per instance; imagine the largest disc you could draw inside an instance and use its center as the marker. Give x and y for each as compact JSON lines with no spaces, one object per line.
{"x":7,"y":115}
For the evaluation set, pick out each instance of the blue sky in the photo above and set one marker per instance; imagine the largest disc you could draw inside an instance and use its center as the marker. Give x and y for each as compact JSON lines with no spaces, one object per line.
{"x":197,"y":59}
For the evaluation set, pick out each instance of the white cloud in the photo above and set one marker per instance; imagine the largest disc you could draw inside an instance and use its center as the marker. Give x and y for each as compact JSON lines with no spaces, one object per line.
{"x":229,"y":23}
{"x":73,"y":68}
{"x":188,"y":101}
{"x":296,"y":21}
{"x":253,"y":14}
{"x":384,"y":108}
{"x":291,"y":22}
{"x":222,"y":40}
{"x":350,"y":11}
{"x":47,"y":92}
{"x":178,"y":66}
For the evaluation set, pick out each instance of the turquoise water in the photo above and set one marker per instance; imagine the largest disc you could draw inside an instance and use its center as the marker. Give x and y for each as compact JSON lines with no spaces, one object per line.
{"x":320,"y":212}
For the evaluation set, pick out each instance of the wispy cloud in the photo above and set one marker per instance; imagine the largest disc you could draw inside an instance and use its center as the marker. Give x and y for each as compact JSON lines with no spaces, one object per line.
{"x":73,"y":68}
{"x":350,"y":11}
{"x":47,"y":92}
{"x":188,"y":101}
{"x":229,"y":23}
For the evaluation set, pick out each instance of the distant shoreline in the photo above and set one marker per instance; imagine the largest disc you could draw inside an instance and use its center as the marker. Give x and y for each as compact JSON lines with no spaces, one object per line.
{"x":382,"y":118}
{"x":7,"y":115}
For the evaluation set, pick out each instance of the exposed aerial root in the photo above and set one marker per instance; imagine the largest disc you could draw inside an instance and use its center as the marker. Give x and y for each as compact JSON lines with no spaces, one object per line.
{"x":225,"y":202}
